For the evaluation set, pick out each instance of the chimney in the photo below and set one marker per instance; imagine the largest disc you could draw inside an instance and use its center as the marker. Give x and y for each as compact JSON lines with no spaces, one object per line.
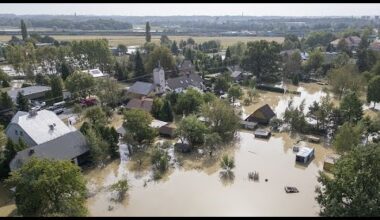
{"x":31,"y":151}
{"x":52,"y":126}
{"x":32,"y":113}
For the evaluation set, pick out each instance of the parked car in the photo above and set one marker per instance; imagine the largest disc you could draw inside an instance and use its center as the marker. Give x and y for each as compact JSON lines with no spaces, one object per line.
{"x":58,"y":111}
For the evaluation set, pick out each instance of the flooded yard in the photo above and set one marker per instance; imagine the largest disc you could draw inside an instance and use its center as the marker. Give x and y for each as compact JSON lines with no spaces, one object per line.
{"x":203,"y":192}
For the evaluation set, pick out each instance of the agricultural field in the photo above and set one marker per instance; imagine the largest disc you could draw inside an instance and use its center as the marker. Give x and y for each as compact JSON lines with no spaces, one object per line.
{"x":140,"y":40}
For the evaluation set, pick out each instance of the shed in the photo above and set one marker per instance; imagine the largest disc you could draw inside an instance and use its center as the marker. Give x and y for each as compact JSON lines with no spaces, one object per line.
{"x":312,"y":138}
{"x":182,"y":147}
{"x":248,"y":125}
{"x":262,"y":115}
{"x":168,"y":130}
{"x":260,"y":133}
{"x":330,"y":162}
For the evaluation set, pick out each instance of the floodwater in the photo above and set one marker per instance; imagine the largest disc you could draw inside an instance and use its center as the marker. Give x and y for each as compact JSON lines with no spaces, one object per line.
{"x":200,"y":190}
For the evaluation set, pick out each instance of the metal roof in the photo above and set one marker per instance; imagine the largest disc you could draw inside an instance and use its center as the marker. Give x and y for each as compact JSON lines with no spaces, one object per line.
{"x":65,"y":147}
{"x":304,"y":151}
{"x":28,"y":91}
{"x":185,"y":81}
{"x":142,"y":88}
{"x":38,"y":126}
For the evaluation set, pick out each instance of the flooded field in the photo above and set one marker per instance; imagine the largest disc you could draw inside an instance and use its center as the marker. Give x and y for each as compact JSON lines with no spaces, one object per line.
{"x":201,"y":191}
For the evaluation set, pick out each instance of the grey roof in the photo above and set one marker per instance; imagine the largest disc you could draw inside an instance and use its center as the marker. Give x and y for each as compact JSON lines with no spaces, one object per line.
{"x":185,"y":81}
{"x":38,"y":126}
{"x":143,"y":104}
{"x":66,"y":147}
{"x":28,"y":91}
{"x":142,"y":88}
{"x":235,"y":74}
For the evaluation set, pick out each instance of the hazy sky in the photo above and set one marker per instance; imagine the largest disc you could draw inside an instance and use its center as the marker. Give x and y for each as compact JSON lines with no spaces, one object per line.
{"x":195,"y":9}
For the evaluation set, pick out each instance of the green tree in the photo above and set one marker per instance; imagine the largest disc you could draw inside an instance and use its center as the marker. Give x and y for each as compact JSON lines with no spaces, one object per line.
{"x":96,"y":115}
{"x":192,"y":130}
{"x":165,"y":41}
{"x":227,"y":163}
{"x":108,"y":92}
{"x":24,"y":31}
{"x":22,"y":102}
{"x":262,"y":59}
{"x":373,"y":91}
{"x":221,"y":119}
{"x":147,"y":32}
{"x":56,"y":84}
{"x":160,"y":55}
{"x":138,"y":65}
{"x":138,"y":126}
{"x":291,"y":42}
{"x":354,"y":189}
{"x":221,"y":84}
{"x":344,"y":79}
{"x":347,"y":137}
{"x":49,"y":188}
{"x":157,"y":107}
{"x":174,"y":48}
{"x":80,"y":83}
{"x":98,"y":148}
{"x":122,"y":48}
{"x":295,"y":117}
{"x":121,"y":187}
{"x":188,"y":102}
{"x":166,"y":113}
{"x":351,"y":108}
{"x":235,"y":92}
{"x":292,"y":66}
{"x":5,"y":101}
{"x":315,"y":61}
{"x":65,"y":70}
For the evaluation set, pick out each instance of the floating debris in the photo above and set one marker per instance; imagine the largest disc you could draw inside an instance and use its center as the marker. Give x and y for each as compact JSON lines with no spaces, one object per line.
{"x":253,"y":176}
{"x":110,"y":208}
{"x":290,"y":189}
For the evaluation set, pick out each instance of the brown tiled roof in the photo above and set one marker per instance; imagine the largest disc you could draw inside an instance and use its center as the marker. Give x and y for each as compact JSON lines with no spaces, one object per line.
{"x":143,"y":104}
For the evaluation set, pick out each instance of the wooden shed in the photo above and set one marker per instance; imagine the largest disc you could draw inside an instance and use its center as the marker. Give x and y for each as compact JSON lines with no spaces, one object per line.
{"x":262,"y":115}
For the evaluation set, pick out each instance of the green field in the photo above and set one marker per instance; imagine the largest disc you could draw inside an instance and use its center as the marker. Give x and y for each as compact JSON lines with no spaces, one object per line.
{"x":140,"y":40}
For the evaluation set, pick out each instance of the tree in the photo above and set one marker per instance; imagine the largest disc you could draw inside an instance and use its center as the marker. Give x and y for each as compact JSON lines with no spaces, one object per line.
{"x":22,"y":102}
{"x":165,"y":41}
{"x":147,"y":32}
{"x":122,"y":48}
{"x":49,"y":188}
{"x":221,"y":119}
{"x":295,"y":117}
{"x":121,"y":71}
{"x":108,"y":92}
{"x":262,"y":58}
{"x":344,"y":79}
{"x":321,"y":112}
{"x":347,"y":137}
{"x":166,"y":113}
{"x":373,"y":91}
{"x":174,"y":48}
{"x":98,"y":148}
{"x":315,"y":61}
{"x":188,"y":102}
{"x":221,"y":84}
{"x":192,"y":130}
{"x":24,"y":31}
{"x":366,"y":59}
{"x":65,"y":70}
{"x":138,"y":126}
{"x":354,"y":190}
{"x":292,"y":65}
{"x":160,"y":55}
{"x":56,"y":84}
{"x":343,"y":47}
{"x":235,"y":92}
{"x":227,"y":163}
{"x":157,"y":107}
{"x":139,"y":66}
{"x":351,"y":108}
{"x":291,"y":42}
{"x":5,"y":101}
{"x":121,"y":187}
{"x":96,"y":115}
{"x":80,"y":83}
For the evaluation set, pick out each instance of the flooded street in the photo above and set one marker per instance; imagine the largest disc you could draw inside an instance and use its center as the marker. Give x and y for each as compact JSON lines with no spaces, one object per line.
{"x":199,"y":192}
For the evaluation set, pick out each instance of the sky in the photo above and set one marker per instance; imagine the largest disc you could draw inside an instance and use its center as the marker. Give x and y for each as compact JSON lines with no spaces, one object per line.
{"x":219,"y":9}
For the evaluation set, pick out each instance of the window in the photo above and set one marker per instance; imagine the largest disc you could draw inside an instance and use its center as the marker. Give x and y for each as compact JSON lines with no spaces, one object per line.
{"x":21,"y":133}
{"x":16,"y":132}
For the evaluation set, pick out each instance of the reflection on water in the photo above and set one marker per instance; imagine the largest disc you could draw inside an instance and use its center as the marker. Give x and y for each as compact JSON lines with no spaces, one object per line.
{"x":196,"y":192}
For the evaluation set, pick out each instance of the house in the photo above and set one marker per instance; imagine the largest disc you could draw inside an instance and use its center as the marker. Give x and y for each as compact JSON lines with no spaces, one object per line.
{"x":36,"y":127}
{"x":329,"y":57}
{"x":288,"y":53}
{"x":168,"y":130}
{"x":186,"y":67}
{"x":96,"y":73}
{"x":140,"y":89}
{"x":31,"y":92}
{"x":178,"y":84}
{"x":351,"y":41}
{"x":46,"y":136}
{"x":262,"y":115}
{"x":375,"y":45}
{"x":144,"y":104}
{"x":330,"y":161}
{"x":70,"y":146}
{"x":304,"y":155}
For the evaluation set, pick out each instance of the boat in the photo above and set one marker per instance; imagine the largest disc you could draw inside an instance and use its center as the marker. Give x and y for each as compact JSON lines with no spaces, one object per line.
{"x":290,"y":189}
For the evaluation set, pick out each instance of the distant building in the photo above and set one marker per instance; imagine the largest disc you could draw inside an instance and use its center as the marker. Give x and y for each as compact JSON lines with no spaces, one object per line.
{"x":178,"y":84}
{"x":351,"y":41}
{"x":159,"y":80}
{"x":262,"y":115}
{"x":140,"y":89}
{"x":96,"y":73}
{"x":31,"y":92}
{"x":375,"y":45}
{"x":186,"y":67}
{"x":288,"y":53}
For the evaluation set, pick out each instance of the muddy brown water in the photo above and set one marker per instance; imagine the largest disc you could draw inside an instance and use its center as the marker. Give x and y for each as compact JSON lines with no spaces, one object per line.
{"x":198,"y":192}
{"x":196,"y":188}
